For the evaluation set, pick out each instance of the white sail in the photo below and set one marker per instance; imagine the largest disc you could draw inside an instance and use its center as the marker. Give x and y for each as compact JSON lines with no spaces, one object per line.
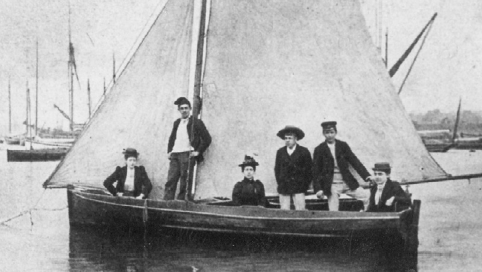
{"x":268,"y":64}
{"x":139,"y":111}
{"x":273,"y":63}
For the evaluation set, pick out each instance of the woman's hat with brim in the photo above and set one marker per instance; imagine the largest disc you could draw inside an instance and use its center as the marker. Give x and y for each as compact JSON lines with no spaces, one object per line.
{"x":382,"y":166}
{"x":291,"y":129}
{"x":249,"y":161}
{"x":130,"y":152}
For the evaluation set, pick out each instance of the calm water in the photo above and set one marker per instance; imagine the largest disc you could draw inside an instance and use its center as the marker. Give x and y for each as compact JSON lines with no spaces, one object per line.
{"x":450,"y":234}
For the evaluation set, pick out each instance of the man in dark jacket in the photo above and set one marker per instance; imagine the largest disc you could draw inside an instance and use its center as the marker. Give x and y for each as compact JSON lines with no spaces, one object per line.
{"x":386,"y":194}
{"x":331,"y":160}
{"x":292,"y":169}
{"x":187,"y":143}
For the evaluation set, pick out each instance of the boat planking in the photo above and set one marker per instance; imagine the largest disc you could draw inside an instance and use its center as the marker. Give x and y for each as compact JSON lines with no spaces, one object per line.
{"x":97,"y":208}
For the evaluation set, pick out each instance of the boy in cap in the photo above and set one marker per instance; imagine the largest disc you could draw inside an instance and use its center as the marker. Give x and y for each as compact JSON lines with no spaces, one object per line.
{"x":292,"y":169}
{"x":386,"y":193}
{"x":189,"y":139}
{"x":332,"y":177}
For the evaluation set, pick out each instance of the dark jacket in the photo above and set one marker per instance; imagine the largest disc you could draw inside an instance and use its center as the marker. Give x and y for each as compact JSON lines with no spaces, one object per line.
{"x":402,"y":200}
{"x":200,"y":140}
{"x":324,"y":166}
{"x":293,"y":173}
{"x":249,"y":192}
{"x":142,"y":184}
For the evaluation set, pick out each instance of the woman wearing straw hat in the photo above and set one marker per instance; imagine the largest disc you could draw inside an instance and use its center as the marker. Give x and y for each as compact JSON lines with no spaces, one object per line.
{"x":249,"y":191}
{"x":131,"y":180}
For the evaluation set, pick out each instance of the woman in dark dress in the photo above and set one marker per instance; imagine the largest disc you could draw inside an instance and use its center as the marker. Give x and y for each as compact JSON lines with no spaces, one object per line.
{"x":249,"y":191}
{"x":131,"y":180}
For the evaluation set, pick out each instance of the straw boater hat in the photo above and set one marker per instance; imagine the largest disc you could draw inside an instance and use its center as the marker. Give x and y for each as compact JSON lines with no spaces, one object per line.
{"x":291,"y":129}
{"x":130,"y":152}
{"x":249,"y":161}
{"x":382,"y":166}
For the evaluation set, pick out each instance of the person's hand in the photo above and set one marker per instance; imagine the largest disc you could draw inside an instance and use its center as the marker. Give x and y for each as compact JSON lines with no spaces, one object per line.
{"x":120,"y":194}
{"x":319,"y":194}
{"x":169,"y":155}
{"x":141,"y":196}
{"x":194,"y":154}
{"x":390,"y":201}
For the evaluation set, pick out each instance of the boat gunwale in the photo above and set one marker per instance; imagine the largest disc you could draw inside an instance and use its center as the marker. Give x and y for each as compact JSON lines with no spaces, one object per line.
{"x":357,"y":216}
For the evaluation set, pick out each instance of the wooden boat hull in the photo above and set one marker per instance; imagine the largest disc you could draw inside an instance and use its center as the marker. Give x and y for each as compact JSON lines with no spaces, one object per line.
{"x":472,"y":144}
{"x":86,"y":208}
{"x":35,"y":155}
{"x":442,"y":147}
{"x":12,"y":140}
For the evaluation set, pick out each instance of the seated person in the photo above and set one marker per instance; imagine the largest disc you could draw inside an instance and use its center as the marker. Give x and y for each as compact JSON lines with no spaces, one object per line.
{"x":386,"y":193}
{"x":249,"y":191}
{"x":131,"y":180}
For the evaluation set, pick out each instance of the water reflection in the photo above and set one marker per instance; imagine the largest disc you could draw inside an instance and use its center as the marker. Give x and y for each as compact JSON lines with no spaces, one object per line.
{"x":97,"y":249}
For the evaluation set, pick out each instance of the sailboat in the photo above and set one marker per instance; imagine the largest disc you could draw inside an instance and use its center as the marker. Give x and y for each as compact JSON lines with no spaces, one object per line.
{"x":259,"y":65}
{"x":36,"y":149}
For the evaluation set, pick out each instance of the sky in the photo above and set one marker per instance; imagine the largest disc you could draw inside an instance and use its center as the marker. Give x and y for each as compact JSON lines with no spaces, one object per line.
{"x":448,"y":67}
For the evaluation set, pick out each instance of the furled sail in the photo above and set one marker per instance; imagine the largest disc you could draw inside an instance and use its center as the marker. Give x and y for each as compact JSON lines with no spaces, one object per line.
{"x":139,"y":110}
{"x":273,"y":63}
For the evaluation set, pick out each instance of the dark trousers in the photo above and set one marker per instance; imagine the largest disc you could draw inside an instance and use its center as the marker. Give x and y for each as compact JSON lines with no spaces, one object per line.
{"x":178,"y":171}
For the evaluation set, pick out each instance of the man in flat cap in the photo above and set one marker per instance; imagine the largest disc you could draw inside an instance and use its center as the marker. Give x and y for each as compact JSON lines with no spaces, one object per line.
{"x":189,"y":139}
{"x":292,"y":169}
{"x":386,"y":194}
{"x":332,"y":177}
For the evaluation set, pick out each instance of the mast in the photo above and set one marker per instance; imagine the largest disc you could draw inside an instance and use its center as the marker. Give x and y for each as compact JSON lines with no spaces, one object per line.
{"x":457,"y":119}
{"x":9,"y":108}
{"x":397,"y":65}
{"x":88,"y":98}
{"x":197,"y":102}
{"x":28,"y":111}
{"x":36,"y":93}
{"x":415,"y":58}
{"x":71,"y":78}
{"x":113,"y":68}
{"x":386,"y":48}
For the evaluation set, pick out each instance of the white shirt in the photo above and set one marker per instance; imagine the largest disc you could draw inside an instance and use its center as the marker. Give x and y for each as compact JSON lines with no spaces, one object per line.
{"x":332,"y":150}
{"x":378,"y":194}
{"x":290,"y":151}
{"x":182,"y":143}
{"x":129,"y":184}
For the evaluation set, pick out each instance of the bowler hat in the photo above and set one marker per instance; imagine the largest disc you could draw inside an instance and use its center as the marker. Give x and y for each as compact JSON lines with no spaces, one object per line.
{"x":329,"y":124}
{"x":291,"y":129}
{"x":182,"y":101}
{"x":249,"y":161}
{"x":130,"y":152}
{"x":382,"y":166}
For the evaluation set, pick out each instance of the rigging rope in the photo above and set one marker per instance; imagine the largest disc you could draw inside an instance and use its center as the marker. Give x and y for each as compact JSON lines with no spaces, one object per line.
{"x":29,"y":211}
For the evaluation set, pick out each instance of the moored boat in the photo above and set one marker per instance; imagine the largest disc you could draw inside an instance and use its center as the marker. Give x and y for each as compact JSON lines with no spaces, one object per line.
{"x":36,"y":155}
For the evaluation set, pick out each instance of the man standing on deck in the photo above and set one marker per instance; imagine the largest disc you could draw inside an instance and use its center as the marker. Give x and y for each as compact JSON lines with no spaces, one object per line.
{"x":189,"y":139}
{"x":330,"y":169}
{"x":292,"y":169}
